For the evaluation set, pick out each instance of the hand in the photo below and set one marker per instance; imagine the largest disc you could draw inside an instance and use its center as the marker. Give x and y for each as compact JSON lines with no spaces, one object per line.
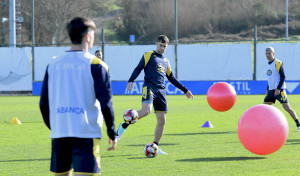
{"x":114,"y":144}
{"x":277,"y":92}
{"x":129,"y":86}
{"x":189,"y":94}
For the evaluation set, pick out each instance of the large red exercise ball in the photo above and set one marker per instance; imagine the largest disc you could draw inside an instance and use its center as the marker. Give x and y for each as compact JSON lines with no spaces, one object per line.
{"x":263,"y":129}
{"x":221,"y":96}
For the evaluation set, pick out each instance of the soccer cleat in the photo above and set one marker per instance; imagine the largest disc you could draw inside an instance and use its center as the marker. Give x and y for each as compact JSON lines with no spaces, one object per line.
{"x":298,"y":129}
{"x":120,"y":131}
{"x":161,"y":152}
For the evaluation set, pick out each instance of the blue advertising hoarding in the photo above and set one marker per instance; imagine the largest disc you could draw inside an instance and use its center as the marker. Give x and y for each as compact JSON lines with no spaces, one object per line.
{"x":196,"y":87}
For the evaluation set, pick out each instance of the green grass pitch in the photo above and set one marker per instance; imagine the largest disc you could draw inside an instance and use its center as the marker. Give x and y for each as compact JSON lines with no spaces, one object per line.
{"x":25,"y":149}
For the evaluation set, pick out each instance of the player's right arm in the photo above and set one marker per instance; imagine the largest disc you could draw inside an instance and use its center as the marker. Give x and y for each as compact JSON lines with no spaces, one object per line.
{"x":44,"y":101}
{"x":129,"y":86}
{"x":136,"y":72}
{"x":103,"y":93}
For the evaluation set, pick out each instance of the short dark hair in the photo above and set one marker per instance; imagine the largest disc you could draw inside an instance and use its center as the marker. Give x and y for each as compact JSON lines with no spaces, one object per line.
{"x":97,"y":51}
{"x":163,"y":39}
{"x":78,"y":27}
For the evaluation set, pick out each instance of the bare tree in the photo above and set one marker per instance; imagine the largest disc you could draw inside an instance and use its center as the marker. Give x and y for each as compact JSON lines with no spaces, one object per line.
{"x":204,"y":17}
{"x":51,"y":17}
{"x":4,"y":27}
{"x":197,"y":19}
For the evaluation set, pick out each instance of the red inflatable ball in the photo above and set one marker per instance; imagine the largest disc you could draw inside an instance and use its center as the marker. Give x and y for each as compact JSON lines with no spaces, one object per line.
{"x":221,"y":96}
{"x":263,"y":129}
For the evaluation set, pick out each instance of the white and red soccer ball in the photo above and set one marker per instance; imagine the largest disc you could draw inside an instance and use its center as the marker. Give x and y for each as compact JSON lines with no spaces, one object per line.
{"x":130,"y":116}
{"x":151,"y":150}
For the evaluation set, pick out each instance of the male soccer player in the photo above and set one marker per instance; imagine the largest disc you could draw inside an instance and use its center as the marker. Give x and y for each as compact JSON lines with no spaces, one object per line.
{"x":276,"y":85}
{"x":76,"y":95}
{"x":98,"y":53}
{"x":156,"y":68}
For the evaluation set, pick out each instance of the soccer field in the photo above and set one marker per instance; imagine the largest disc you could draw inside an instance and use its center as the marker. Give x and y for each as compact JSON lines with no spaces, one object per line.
{"x":25,"y":149}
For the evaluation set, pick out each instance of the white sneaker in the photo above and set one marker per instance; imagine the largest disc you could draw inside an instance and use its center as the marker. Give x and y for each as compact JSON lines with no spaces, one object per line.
{"x":298,"y":129}
{"x":161,"y":152}
{"x":120,"y":131}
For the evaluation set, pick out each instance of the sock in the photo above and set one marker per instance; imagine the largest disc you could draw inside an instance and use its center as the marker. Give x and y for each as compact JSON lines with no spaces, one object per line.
{"x":155,"y":143}
{"x":125,"y":125}
{"x":297,"y":122}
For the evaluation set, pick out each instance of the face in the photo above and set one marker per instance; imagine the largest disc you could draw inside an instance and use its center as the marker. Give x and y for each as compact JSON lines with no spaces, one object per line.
{"x":161,"y":47}
{"x":99,"y":54}
{"x":270,"y":55}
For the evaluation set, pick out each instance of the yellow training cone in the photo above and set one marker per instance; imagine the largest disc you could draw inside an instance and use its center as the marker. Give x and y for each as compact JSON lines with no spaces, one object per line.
{"x":15,"y":120}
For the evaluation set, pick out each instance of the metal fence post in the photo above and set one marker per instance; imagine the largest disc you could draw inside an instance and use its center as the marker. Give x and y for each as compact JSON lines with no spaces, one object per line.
{"x":176,"y":39}
{"x":254,"y":44}
{"x":32,"y":38}
{"x":102,"y":46}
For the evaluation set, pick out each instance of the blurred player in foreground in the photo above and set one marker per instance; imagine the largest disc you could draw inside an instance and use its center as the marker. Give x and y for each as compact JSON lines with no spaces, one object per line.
{"x":276,"y":85}
{"x":75,"y":86}
{"x":156,"y":68}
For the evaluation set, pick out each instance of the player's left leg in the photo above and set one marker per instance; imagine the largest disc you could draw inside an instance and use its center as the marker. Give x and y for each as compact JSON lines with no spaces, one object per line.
{"x":292,"y":113}
{"x":159,"y":130}
{"x":288,"y":109}
{"x":86,"y":156}
{"x":61,"y":156}
{"x":160,"y":125}
{"x":282,"y":98}
{"x":161,"y":109}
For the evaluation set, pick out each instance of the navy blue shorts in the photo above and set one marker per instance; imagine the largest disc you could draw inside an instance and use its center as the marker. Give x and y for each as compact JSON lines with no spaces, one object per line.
{"x":282,"y":97}
{"x":157,"y":97}
{"x":75,"y":153}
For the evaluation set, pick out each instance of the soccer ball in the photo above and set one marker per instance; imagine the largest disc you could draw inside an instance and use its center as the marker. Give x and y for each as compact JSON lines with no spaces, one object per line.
{"x":151,"y":150}
{"x":130,"y":116}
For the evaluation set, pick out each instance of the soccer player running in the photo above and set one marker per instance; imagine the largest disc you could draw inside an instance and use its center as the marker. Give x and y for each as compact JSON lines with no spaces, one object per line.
{"x":156,"y":67}
{"x":276,"y":85}
{"x":76,"y":95}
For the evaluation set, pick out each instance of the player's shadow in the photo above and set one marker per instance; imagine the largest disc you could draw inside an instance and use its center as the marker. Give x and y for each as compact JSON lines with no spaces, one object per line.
{"x":292,"y":142}
{"x":214,"y":159}
{"x":142,"y":157}
{"x":200,"y":133}
{"x":143,"y":145}
{"x":25,"y":160}
{"x":112,"y":156}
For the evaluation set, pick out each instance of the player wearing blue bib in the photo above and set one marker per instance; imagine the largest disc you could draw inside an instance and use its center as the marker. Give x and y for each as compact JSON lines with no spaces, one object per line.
{"x":156,"y":67}
{"x":276,"y":85}
{"x":76,"y":96}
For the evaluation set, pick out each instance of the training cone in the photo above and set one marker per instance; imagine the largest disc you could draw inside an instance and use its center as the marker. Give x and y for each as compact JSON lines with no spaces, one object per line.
{"x":207,"y":124}
{"x":15,"y":120}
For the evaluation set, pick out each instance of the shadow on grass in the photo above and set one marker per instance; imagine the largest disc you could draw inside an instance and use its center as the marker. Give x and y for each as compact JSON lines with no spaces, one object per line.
{"x":34,"y":122}
{"x":160,"y":144}
{"x":292,"y":142}
{"x":144,"y":157}
{"x":214,"y":159}
{"x":200,"y":133}
{"x":112,"y":156}
{"x":25,"y":160}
